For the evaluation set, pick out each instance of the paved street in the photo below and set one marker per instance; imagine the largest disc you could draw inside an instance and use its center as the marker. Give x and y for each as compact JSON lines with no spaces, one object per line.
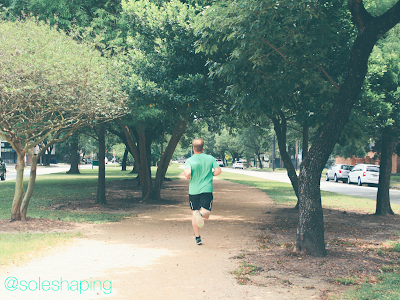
{"x":330,"y":186}
{"x":41,"y":170}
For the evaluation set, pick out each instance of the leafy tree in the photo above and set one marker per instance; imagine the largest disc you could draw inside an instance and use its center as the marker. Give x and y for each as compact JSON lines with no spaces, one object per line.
{"x":50,"y":86}
{"x":276,"y":62}
{"x":383,"y":92}
{"x":307,"y":35}
{"x":167,"y":83}
{"x":310,"y":236}
{"x":255,"y":140}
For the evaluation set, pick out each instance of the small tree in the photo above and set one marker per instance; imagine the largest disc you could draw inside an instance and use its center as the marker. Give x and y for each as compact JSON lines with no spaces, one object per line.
{"x":50,"y":86}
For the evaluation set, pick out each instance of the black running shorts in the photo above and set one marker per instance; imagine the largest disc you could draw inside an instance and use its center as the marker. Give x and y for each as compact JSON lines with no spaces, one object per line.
{"x":201,"y":200}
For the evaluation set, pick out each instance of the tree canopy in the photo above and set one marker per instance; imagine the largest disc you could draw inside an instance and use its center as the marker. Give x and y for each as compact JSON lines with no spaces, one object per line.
{"x":50,"y":86}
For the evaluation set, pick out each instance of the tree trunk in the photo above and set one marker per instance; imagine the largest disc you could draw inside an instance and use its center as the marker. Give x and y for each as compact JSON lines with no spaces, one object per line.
{"x":74,"y":169}
{"x":383,"y":198}
{"x":310,"y":232}
{"x":46,"y":157}
{"x":304,"y":155}
{"x":305,"y":143}
{"x":101,"y":181}
{"x":139,"y":154}
{"x":144,"y":170}
{"x":273,"y":153}
{"x":31,"y":185}
{"x":19,"y":188}
{"x":124,"y":159}
{"x":259,"y":161}
{"x":280,"y":127}
{"x":177,"y":133}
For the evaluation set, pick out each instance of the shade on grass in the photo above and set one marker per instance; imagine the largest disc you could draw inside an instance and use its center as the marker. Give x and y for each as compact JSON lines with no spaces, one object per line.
{"x":61,"y":187}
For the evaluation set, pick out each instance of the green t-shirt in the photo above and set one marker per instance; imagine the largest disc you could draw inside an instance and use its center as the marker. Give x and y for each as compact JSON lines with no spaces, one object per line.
{"x":201,"y":177}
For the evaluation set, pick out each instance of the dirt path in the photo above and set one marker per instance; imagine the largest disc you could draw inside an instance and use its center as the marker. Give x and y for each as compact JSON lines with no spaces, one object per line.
{"x":154,"y":256}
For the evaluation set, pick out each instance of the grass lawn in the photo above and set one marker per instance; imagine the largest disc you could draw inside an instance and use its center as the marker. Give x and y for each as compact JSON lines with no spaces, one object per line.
{"x":283,"y":194}
{"x":61,"y":187}
{"x":17,"y":248}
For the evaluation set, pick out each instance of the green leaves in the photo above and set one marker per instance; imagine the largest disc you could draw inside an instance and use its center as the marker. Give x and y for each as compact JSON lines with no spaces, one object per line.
{"x":48,"y":83}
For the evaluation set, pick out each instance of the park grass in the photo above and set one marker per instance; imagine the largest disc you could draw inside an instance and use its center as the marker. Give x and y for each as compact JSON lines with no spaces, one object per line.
{"x":18,"y":248}
{"x":282,"y":194}
{"x":61,"y":187}
{"x":387,"y":285}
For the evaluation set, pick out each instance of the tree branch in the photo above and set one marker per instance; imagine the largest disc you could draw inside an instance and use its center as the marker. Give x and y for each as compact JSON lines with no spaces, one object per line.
{"x":303,"y":65}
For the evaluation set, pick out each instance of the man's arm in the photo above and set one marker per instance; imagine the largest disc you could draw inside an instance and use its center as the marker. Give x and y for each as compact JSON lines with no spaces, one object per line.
{"x":217,"y":171}
{"x":187,"y":173}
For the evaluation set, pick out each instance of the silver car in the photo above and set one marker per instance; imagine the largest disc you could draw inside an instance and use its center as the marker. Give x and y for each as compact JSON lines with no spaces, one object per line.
{"x":338,"y":172}
{"x":364,"y":173}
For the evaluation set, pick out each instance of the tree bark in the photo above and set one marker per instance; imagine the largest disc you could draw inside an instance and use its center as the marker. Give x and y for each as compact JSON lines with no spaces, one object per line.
{"x":139,"y":153}
{"x":124,"y":159}
{"x":24,"y":203}
{"x":305,"y":143}
{"x":280,"y":127}
{"x":259,"y":160}
{"x":31,"y":185}
{"x":162,"y":168}
{"x":101,"y":181}
{"x":74,"y":169}
{"x":310,"y":232}
{"x":383,"y":197}
{"x":144,"y":170}
{"x":19,"y":188}
{"x":304,"y":155}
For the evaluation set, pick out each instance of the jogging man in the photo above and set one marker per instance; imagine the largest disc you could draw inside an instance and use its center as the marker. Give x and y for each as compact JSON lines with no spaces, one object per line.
{"x":199,"y":169}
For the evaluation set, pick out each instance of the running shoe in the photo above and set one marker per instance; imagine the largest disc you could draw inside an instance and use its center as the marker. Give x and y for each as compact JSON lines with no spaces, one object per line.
{"x":199,"y":218}
{"x":198,"y":240}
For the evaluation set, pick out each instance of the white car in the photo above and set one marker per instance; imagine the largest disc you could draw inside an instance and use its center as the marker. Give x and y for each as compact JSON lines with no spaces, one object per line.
{"x":220,"y":162}
{"x":338,"y":172}
{"x":364,"y":173}
{"x":238,"y":165}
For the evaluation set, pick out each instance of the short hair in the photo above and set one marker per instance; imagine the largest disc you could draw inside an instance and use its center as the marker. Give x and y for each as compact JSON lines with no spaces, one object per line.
{"x":198,"y":144}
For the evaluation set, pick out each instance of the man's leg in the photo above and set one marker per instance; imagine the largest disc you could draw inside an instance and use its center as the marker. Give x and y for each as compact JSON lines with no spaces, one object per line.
{"x":199,"y":218}
{"x":205,"y":213}
{"x":195,"y":226}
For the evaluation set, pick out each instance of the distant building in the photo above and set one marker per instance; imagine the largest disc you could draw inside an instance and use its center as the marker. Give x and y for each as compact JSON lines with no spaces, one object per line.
{"x":369,"y":159}
{"x":8,"y":153}
{"x":10,"y":156}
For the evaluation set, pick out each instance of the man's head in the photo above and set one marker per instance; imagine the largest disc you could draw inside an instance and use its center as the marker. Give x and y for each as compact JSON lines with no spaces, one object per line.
{"x":198,"y":145}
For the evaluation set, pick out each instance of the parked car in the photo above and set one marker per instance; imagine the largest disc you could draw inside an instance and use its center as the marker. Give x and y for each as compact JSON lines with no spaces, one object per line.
{"x":220,"y":162}
{"x":2,"y":169}
{"x":338,"y":172}
{"x":364,"y":173}
{"x":238,"y":165}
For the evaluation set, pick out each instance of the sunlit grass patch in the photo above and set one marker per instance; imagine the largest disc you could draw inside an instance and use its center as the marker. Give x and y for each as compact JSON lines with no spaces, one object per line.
{"x":17,"y":248}
{"x":283,"y":194}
